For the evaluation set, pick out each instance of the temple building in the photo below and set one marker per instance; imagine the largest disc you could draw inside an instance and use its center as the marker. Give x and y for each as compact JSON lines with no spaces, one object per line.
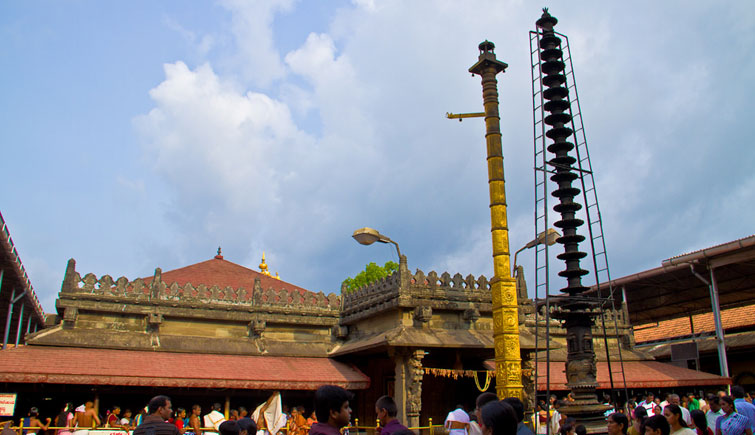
{"x":217,"y":331}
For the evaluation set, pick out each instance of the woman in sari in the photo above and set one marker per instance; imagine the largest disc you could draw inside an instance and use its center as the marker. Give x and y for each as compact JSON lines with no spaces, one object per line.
{"x":732,"y":423}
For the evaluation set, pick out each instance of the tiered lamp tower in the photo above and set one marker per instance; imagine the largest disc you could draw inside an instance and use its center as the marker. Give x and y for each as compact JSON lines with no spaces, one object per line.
{"x":508,"y":363}
{"x":575,"y":310}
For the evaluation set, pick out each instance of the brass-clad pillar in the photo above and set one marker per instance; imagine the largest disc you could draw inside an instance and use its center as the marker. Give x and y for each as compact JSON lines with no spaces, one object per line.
{"x":508,"y":373}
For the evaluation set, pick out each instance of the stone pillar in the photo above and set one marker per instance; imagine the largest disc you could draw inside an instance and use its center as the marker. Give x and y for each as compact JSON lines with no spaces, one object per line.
{"x":408,"y":385}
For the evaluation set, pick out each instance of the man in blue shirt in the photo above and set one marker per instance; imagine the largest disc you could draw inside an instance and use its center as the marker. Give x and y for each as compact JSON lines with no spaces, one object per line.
{"x":743,"y":407}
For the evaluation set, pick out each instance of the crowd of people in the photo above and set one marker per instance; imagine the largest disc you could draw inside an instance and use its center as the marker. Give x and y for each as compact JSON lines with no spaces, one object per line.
{"x":79,"y":420}
{"x":714,"y":414}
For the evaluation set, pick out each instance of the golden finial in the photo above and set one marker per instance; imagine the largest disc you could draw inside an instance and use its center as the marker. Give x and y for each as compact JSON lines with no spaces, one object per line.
{"x":277,"y":276}
{"x":263,"y":266}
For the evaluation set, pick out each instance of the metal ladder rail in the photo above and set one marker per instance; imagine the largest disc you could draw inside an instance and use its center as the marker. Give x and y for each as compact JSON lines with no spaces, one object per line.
{"x":541,"y":207}
{"x":590,"y":196}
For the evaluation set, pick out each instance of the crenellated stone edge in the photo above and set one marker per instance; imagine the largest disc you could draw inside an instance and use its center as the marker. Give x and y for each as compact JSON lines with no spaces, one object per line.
{"x":137,"y":290}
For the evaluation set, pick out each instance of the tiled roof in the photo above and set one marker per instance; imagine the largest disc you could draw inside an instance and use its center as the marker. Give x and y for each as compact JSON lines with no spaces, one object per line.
{"x":731,"y":318}
{"x":223,"y":273}
{"x":71,"y":365}
{"x":734,"y":244}
{"x":638,"y":374}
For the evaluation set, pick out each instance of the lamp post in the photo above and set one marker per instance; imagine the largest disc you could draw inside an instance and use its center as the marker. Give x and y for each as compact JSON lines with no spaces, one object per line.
{"x":548,"y":237}
{"x":368,"y":236}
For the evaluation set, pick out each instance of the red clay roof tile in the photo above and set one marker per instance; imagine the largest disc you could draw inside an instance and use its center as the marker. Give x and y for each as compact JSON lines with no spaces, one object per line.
{"x":731,"y":318}
{"x":223,"y":273}
{"x":65,"y":365}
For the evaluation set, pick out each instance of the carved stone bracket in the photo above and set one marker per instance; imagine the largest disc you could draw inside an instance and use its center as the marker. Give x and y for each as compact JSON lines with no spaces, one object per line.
{"x":257,"y":327}
{"x":69,"y":317}
{"x":423,"y":315}
{"x":471,"y":315}
{"x":341,"y":331}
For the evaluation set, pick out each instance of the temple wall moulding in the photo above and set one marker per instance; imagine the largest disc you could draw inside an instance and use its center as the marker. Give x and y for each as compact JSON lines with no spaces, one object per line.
{"x":139,"y":291}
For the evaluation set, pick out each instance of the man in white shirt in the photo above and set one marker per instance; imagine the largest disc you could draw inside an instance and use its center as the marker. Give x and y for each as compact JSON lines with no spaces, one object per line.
{"x":649,"y":403}
{"x":673,"y":399}
{"x":214,"y":419}
{"x":457,"y":421}
{"x":714,"y":412}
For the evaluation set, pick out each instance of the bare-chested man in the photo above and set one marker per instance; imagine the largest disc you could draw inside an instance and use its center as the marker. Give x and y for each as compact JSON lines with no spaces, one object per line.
{"x":194,"y":422}
{"x":34,"y":421}
{"x":86,"y":420}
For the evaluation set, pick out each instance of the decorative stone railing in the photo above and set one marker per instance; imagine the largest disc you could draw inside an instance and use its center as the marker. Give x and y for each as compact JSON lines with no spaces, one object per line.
{"x":445,"y":280}
{"x":406,"y":289}
{"x":156,"y":290}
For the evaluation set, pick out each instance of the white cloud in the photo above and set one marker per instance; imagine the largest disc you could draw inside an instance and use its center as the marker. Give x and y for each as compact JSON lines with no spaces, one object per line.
{"x":255,"y":57}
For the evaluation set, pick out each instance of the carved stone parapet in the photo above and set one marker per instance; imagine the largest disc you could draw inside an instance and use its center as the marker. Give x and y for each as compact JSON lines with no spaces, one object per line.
{"x":156,"y":290}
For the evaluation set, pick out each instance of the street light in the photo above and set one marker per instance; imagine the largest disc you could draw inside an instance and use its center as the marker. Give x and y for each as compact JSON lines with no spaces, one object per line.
{"x":548,"y":237}
{"x":368,"y":236}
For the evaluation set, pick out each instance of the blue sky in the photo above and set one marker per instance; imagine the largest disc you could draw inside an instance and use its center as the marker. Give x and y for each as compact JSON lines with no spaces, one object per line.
{"x":145,"y":134}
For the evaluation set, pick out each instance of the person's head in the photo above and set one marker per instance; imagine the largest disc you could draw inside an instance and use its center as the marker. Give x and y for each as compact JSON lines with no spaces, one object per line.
{"x":698,"y":419}
{"x":332,"y":405}
{"x":714,"y":403}
{"x":738,"y":392}
{"x":181,"y":413}
{"x":243,"y":412}
{"x":160,"y":406}
{"x":126,"y":413}
{"x":649,"y":398}
{"x":89,"y":405}
{"x":673,"y":399}
{"x":498,"y":418}
{"x":386,"y":409}
{"x":460,"y":406}
{"x":234,"y":414}
{"x":673,"y":414}
{"x":657,"y":425}
{"x":196,"y":410}
{"x":216,"y":407}
{"x":721,"y":393}
{"x":617,"y":423}
{"x":116,"y":410}
{"x":247,"y":426}
{"x":640,"y":414}
{"x":517,"y":406}
{"x":33,"y":412}
{"x":580,"y":429}
{"x":482,"y":400}
{"x":229,"y":427}
{"x":727,"y":405}
{"x":657,"y":401}
{"x":566,"y":429}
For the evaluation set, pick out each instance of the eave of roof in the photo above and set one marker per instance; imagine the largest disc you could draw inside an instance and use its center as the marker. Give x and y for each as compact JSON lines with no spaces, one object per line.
{"x":638,"y":374}
{"x":9,"y":257}
{"x":65,"y":365}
